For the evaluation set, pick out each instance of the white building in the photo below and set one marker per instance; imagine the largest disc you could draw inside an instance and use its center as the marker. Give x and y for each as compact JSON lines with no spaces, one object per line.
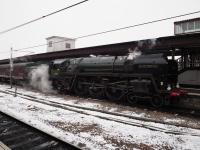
{"x":187,"y":26}
{"x":57,"y":43}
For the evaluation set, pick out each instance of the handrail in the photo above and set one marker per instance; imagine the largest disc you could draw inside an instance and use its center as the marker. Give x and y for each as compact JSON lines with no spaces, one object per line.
{"x":188,"y":63}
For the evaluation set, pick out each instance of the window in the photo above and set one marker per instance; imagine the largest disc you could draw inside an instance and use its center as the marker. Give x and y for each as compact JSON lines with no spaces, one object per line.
{"x":184,"y":27}
{"x":197,"y":24}
{"x":191,"y":25}
{"x":50,"y":43}
{"x":178,"y":28}
{"x":67,"y":45}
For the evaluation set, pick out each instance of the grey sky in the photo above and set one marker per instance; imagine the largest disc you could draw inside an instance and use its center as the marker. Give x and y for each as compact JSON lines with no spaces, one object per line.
{"x":90,"y":17}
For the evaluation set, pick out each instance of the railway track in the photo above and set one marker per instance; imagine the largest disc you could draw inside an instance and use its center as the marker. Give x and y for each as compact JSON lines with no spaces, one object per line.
{"x":19,"y":136}
{"x":171,"y":109}
{"x":111,"y":116}
{"x":168,"y":109}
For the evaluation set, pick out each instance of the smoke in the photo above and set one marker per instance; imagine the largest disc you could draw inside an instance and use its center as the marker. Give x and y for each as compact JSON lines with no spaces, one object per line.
{"x":134,"y":53}
{"x":91,"y":55}
{"x":141,"y":46}
{"x":152,"y":43}
{"x":39,"y":78}
{"x":147,"y":44}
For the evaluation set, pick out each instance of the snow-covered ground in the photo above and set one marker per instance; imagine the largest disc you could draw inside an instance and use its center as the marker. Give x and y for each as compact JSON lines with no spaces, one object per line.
{"x":90,"y":132}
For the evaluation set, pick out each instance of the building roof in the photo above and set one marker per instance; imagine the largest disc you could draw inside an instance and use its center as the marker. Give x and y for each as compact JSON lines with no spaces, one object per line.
{"x":188,"y":20}
{"x":187,"y":43}
{"x":64,"y":38}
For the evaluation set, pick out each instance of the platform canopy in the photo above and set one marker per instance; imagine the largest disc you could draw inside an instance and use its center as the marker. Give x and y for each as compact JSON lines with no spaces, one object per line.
{"x":179,"y":44}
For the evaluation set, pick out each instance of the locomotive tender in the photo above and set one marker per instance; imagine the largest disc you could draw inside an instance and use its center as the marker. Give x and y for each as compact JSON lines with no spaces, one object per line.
{"x":151,"y":76}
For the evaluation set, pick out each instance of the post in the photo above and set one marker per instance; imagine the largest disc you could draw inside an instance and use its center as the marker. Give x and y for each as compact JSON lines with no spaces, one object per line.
{"x":173,"y":54}
{"x":11,"y":66}
{"x":15,"y":91}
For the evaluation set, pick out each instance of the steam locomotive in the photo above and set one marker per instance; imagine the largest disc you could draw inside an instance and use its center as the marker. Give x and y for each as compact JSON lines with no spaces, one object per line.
{"x":152,"y":77}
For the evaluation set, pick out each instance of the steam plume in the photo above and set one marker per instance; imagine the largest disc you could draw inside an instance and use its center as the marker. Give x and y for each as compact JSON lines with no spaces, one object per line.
{"x":39,"y":78}
{"x":134,"y":53}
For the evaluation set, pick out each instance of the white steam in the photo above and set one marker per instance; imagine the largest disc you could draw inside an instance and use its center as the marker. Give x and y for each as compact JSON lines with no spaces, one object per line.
{"x":143,"y":44}
{"x":134,"y":54}
{"x":147,"y":44}
{"x":39,"y":78}
{"x":152,"y":43}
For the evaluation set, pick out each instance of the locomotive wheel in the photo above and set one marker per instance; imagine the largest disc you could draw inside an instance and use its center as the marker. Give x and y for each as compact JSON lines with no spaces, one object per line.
{"x":96,"y":92}
{"x":131,"y":98}
{"x":157,"y":101}
{"x":113,"y":93}
{"x":54,"y":85}
{"x":60,"y":88}
{"x":80,"y":87}
{"x":57,"y":86}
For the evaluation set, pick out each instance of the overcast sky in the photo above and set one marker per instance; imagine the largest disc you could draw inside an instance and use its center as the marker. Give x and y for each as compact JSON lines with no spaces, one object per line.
{"x":90,"y":17}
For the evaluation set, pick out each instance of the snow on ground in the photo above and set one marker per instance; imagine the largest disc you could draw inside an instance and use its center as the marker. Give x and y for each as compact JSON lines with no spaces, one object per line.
{"x":106,"y":106}
{"x":89,"y":132}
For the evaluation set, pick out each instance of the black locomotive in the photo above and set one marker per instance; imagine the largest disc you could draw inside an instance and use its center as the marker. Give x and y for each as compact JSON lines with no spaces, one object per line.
{"x":151,"y":77}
